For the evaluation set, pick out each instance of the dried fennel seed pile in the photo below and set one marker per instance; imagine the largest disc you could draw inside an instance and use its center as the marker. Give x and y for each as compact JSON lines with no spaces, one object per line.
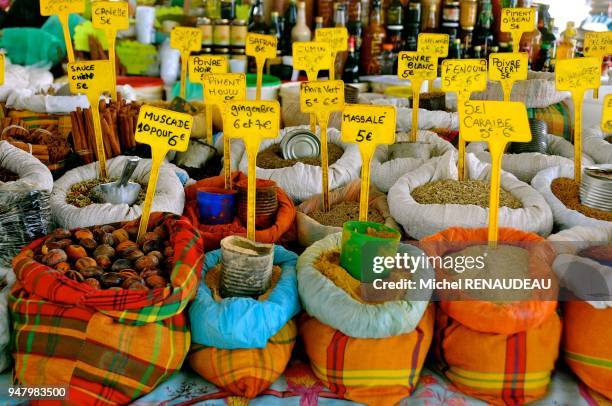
{"x":342,"y":212}
{"x":81,"y":194}
{"x":272,"y":157}
{"x":568,"y":191}
{"x":465,"y":192}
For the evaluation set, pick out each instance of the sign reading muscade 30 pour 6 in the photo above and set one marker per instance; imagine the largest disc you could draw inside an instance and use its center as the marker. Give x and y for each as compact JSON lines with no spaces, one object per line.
{"x":495,"y":123}
{"x":507,"y":68}
{"x":62,"y":9}
{"x":163,"y":130}
{"x":517,"y":21}
{"x":337,"y":38}
{"x":199,"y":67}
{"x":433,"y":44}
{"x":463,"y":76}
{"x":367,"y":126}
{"x":598,"y":45}
{"x":186,"y":40}
{"x":576,"y":76}
{"x":321,"y":99}
{"x":220,"y":88}
{"x":251,"y":121}
{"x":606,"y":115}
{"x":93,"y":78}
{"x":261,"y":47}
{"x":110,"y":16}
{"x":416,"y":67}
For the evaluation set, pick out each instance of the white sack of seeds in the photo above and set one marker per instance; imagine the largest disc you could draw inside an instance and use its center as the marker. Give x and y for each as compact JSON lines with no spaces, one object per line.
{"x":595,"y":144}
{"x":169,"y":195}
{"x":32,"y":173}
{"x":421,"y":220}
{"x":386,"y":172}
{"x":527,"y":165}
{"x":302,"y":181}
{"x":564,"y":217}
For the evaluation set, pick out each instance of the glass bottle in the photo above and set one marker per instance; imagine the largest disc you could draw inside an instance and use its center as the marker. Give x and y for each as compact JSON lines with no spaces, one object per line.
{"x":450,"y":19}
{"x":567,"y":46}
{"x":257,"y":21}
{"x":530,"y":42}
{"x":318,"y":22}
{"x":300,"y":31}
{"x":455,"y":49}
{"x":388,"y":60}
{"x":228,"y":9}
{"x":547,"y":48}
{"x":411,"y":26}
{"x":374,"y":37}
{"x":477,"y":54}
{"x":395,"y":24}
{"x":339,"y":15}
{"x":430,"y":19}
{"x":350,"y":73}
{"x":325,"y":8}
{"x":290,"y":21}
{"x":483,"y":33}
{"x":355,"y":24}
{"x":277,"y":31}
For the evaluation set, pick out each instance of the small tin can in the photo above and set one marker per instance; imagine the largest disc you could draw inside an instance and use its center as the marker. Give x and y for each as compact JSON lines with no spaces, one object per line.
{"x":299,"y":144}
{"x":221,"y":33}
{"x":205,"y":26}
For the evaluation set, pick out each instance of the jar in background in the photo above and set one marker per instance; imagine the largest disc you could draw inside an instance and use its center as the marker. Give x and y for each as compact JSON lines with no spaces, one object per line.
{"x":207,"y":50}
{"x":205,"y":26}
{"x":221,"y":33}
{"x":238,"y":33}
{"x":450,"y":19}
{"x":468,"y":13}
{"x":222,"y":51}
{"x":228,"y":9}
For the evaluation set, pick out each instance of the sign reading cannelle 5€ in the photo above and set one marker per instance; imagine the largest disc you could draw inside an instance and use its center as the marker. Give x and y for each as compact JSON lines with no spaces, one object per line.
{"x":163,"y":129}
{"x":433,"y":44}
{"x":464,"y":76}
{"x":201,"y":65}
{"x":224,"y":87}
{"x":51,"y":7}
{"x":417,"y":67}
{"x":110,"y":15}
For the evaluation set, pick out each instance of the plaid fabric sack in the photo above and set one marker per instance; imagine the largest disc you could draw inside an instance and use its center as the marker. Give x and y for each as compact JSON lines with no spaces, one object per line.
{"x":374,"y":371}
{"x":249,"y":371}
{"x":586,"y":344}
{"x":558,"y":118}
{"x":107,"y":346}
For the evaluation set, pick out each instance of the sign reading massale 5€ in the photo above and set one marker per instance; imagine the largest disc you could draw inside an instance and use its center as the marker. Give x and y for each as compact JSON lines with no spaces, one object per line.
{"x":367,"y":124}
{"x":416,"y":66}
{"x":163,"y":129}
{"x":494,"y":120}
{"x":110,"y":14}
{"x":51,"y":7}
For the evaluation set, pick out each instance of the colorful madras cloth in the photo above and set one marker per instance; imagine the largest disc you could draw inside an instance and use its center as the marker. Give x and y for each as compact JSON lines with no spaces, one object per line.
{"x":108,"y":346}
{"x":557,"y":117}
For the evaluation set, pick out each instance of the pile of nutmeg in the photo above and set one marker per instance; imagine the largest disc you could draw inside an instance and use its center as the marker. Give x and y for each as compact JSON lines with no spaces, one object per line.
{"x":107,"y":257}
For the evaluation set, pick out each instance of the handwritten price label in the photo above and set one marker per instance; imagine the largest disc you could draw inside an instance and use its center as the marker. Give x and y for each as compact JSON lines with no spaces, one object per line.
{"x":252,"y":119}
{"x":91,"y":77}
{"x":322,"y":97}
{"x":110,"y":15}
{"x":224,"y":87}
{"x":517,"y":21}
{"x":202,"y":65}
{"x":494,"y":121}
{"x":51,"y":7}
{"x":433,"y":44}
{"x":261,"y":46}
{"x":311,"y":57}
{"x":163,"y":129}
{"x":507,"y":68}
{"x":414,"y":66}
{"x":464,"y":76}
{"x":368,"y":125}
{"x":186,"y":39}
{"x":598,"y":44}
{"x":606,"y":115}
{"x":336,"y":37}
{"x":578,"y":74}
{"x":1,"y":69}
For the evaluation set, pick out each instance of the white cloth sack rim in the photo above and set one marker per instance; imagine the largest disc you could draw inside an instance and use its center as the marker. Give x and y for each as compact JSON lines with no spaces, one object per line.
{"x":32,"y":173}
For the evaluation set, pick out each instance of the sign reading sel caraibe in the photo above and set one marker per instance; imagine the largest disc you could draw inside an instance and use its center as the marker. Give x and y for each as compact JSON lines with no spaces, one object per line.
{"x":507,"y":68}
{"x":163,"y":130}
{"x":606,"y":115}
{"x":516,"y":21}
{"x":367,"y":126}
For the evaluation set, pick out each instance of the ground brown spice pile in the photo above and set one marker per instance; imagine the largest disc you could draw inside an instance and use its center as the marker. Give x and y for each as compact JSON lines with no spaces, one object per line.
{"x":342,"y":212}
{"x":272,"y":157}
{"x":82,"y":195}
{"x":7,"y":176}
{"x":213,"y":281}
{"x":449,"y":191}
{"x":568,"y":191}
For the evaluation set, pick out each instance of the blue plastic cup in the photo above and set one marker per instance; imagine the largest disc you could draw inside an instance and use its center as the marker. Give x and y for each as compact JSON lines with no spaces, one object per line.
{"x":216,"y":205}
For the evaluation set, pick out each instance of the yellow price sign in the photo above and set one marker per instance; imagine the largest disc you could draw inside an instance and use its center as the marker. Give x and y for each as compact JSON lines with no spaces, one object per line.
{"x":261,"y":47}
{"x":251,"y":121}
{"x":463,"y":76}
{"x":367,"y":126}
{"x":416,"y":67}
{"x":337,"y":38}
{"x":576,"y":75}
{"x":311,"y":56}
{"x":62,"y":8}
{"x":507,"y":68}
{"x":598,"y":44}
{"x":433,"y":44}
{"x":163,"y":130}
{"x":322,"y":98}
{"x":218,"y":89}
{"x":186,"y":40}
{"x":111,"y":16}
{"x":606,"y":115}
{"x":92,"y":78}
{"x":516,"y":21}
{"x":495,"y":123}
{"x":1,"y":69}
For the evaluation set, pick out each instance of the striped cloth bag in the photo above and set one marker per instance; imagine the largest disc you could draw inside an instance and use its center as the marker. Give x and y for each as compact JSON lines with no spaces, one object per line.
{"x":107,"y":346}
{"x":557,"y":117}
{"x":586,"y":344}
{"x":375,"y":371}
{"x":248,"y":371}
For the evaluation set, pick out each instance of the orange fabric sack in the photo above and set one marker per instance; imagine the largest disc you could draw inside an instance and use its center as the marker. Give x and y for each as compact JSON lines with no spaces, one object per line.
{"x":503,"y":354}
{"x":282,"y":230}
{"x":246,"y":372}
{"x":374,"y":371}
{"x":586,"y":344}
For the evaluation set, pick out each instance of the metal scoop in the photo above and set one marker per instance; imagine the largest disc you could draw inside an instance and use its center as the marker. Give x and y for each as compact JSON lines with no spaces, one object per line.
{"x":121,"y":191}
